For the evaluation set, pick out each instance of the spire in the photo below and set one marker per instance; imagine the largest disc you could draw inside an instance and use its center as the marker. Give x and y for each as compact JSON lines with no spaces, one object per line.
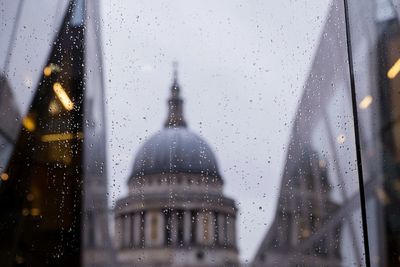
{"x":175,"y":104}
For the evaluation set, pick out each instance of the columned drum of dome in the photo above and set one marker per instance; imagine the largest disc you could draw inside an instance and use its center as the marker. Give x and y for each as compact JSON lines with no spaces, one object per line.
{"x":175,"y":213}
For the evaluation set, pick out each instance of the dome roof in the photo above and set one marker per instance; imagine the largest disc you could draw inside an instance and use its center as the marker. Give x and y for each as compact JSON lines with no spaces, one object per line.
{"x":175,"y":150}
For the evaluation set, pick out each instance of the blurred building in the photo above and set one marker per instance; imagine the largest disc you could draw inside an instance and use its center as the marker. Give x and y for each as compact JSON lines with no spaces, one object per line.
{"x":304,"y":205}
{"x":175,"y":213}
{"x":53,"y":186}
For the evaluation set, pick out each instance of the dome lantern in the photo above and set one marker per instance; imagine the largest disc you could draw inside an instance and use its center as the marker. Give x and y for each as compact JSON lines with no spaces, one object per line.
{"x":175,"y":104}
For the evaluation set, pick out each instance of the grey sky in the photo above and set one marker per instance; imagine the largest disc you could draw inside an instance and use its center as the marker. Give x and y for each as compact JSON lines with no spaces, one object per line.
{"x":242,"y":65}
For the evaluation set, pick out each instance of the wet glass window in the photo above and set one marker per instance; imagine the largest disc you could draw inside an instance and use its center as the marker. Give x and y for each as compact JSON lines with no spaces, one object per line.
{"x":199,"y":133}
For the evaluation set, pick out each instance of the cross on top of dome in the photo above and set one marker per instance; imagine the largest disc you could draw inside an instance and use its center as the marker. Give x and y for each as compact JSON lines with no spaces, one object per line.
{"x":175,"y":67}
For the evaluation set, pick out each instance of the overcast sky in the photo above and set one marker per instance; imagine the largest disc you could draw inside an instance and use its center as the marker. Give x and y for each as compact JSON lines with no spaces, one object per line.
{"x":242,"y":65}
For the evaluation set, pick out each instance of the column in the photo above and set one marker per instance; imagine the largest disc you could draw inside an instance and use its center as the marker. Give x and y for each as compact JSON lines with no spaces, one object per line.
{"x":136,"y":229}
{"x":154,"y":233}
{"x":221,"y":229}
{"x":126,"y":232}
{"x":211,"y":228}
{"x":148,"y":228}
{"x":161,"y":228}
{"x":167,"y":227}
{"x":229,"y":230}
{"x":233,"y":230}
{"x":174,"y":228}
{"x":187,"y":226}
{"x":142,"y":239}
{"x":133,"y":233}
{"x":205,"y":228}
{"x":118,"y":232}
{"x":216,"y":230}
{"x":199,"y":228}
{"x":180,"y":227}
{"x":193,"y":229}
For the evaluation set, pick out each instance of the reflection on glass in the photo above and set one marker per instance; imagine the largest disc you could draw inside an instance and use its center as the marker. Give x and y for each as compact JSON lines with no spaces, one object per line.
{"x":365,"y":102}
{"x":63,"y":96}
{"x":394,"y":70}
{"x":317,"y":220}
{"x":376,"y":69}
{"x":40,"y":194}
{"x":297,"y":235}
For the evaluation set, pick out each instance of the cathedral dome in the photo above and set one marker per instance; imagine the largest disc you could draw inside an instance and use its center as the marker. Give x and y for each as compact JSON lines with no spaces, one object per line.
{"x":175,"y":150}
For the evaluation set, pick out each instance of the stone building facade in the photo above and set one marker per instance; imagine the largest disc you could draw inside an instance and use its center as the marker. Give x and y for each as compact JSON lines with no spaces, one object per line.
{"x":175,"y":213}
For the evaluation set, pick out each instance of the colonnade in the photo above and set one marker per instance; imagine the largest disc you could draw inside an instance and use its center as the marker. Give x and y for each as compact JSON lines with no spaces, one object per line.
{"x":175,"y":228}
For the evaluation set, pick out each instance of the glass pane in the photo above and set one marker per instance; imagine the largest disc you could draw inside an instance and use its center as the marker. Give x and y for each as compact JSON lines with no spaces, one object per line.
{"x":375,"y":38}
